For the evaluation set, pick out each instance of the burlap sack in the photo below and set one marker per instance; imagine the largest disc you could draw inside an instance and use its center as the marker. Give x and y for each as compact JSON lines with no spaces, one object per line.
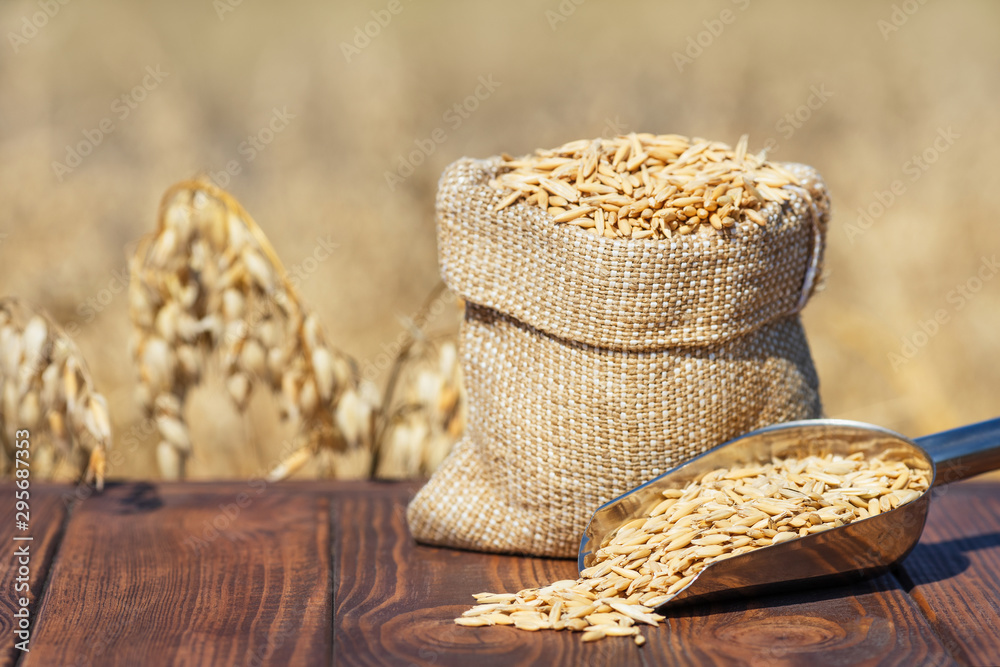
{"x":595,"y":364}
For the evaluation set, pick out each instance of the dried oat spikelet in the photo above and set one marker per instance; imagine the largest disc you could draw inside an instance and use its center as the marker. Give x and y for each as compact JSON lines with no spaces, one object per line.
{"x":47,"y":389}
{"x":208,"y":281}
{"x":430,"y":415}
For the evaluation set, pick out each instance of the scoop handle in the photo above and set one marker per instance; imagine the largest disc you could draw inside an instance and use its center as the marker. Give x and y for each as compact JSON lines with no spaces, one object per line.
{"x":964,"y":451}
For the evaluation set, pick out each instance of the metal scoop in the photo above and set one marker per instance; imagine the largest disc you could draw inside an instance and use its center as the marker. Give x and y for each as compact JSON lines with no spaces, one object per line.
{"x":863,"y":548}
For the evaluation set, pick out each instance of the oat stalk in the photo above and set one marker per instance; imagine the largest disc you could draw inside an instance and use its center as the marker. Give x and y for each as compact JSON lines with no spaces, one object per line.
{"x":416,"y":349}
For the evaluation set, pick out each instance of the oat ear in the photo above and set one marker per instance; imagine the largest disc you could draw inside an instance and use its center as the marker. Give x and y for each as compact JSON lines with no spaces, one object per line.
{"x":207,"y":284}
{"x":46,"y":388}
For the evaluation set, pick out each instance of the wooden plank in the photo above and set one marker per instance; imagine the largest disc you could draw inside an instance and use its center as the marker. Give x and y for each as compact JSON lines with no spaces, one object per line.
{"x":870,"y":623}
{"x":47,"y":513}
{"x":395,"y":601}
{"x":169,"y":575}
{"x":954,"y":572}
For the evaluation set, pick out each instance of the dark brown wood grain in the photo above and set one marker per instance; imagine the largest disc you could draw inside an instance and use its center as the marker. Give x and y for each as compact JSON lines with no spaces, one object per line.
{"x":395,"y":602}
{"x":47,"y":513}
{"x":174,"y":575}
{"x":320,"y":572}
{"x":954,"y":573}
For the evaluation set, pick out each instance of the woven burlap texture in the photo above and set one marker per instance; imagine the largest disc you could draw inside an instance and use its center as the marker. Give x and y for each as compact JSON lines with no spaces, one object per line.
{"x":595,"y":364}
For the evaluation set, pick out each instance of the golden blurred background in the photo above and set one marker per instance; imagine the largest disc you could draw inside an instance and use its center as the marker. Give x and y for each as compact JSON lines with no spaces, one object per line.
{"x":331,"y":122}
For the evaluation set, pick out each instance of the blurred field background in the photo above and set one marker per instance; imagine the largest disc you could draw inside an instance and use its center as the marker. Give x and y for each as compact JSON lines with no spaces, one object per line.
{"x":881,"y":93}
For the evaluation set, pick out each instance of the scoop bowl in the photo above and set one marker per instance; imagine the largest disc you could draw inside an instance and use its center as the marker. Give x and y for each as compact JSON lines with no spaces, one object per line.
{"x":863,"y":548}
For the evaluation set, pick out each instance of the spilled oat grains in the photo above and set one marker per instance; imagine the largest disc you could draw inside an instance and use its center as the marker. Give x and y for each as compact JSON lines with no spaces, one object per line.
{"x":727,"y":512}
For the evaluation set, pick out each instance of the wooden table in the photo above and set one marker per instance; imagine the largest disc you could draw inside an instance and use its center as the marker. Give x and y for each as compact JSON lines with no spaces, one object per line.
{"x":326,"y":572}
